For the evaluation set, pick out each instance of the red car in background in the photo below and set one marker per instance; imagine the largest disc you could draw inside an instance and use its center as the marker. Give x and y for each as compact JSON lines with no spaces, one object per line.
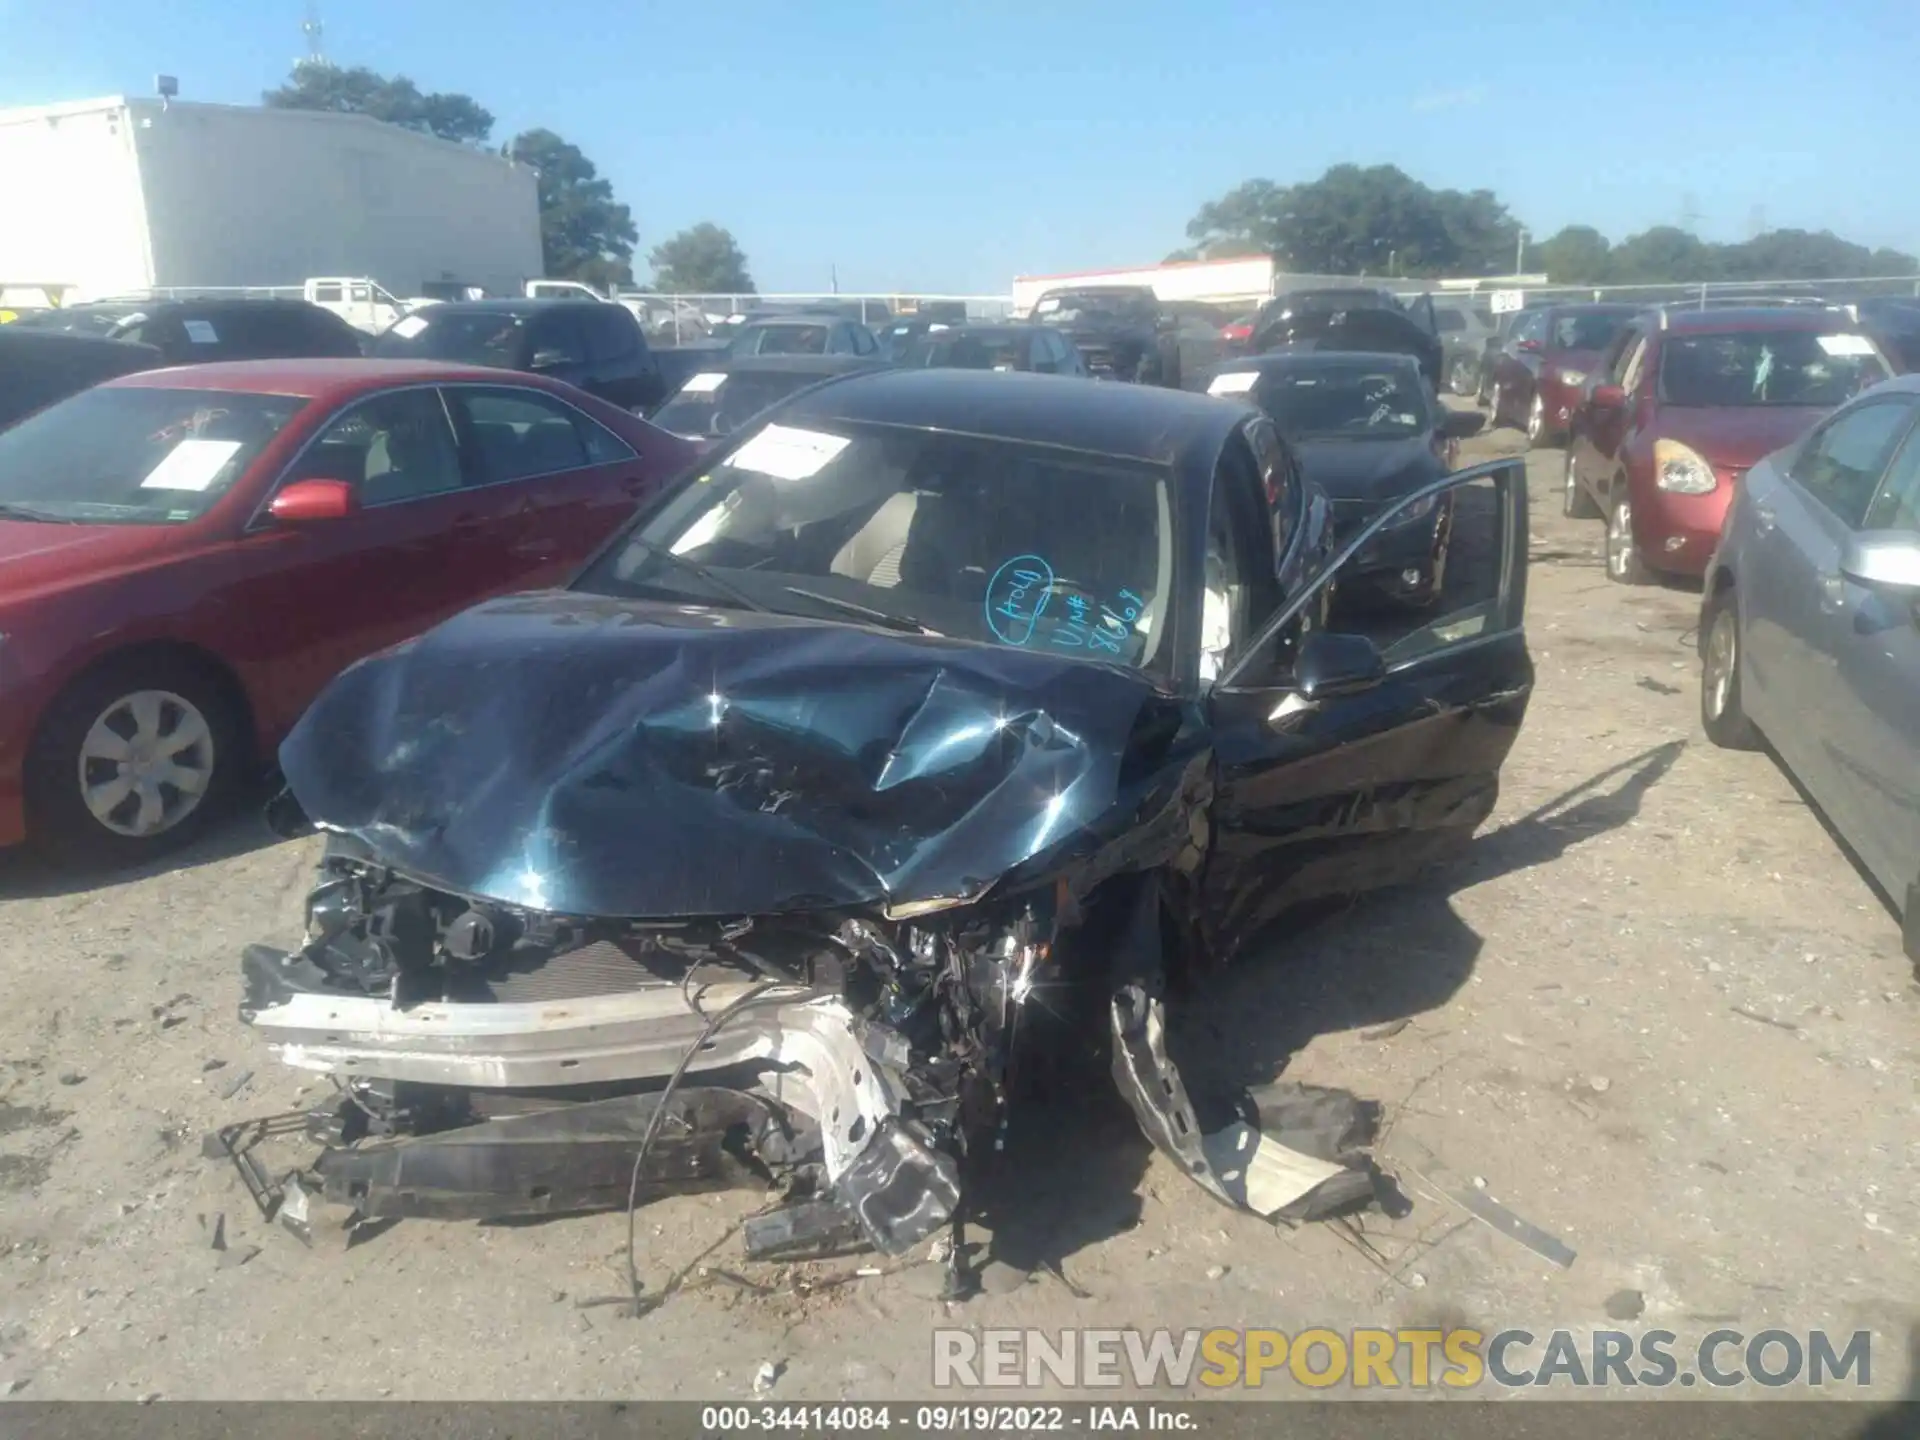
{"x":188,"y":556}
{"x":1684,"y":402}
{"x":1539,"y":378}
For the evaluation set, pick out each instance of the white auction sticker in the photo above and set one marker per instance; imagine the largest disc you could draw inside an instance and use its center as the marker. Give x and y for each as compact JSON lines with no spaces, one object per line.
{"x":703,"y":384}
{"x":1237,"y":382}
{"x":408,"y":326}
{"x":1850,"y":345}
{"x":1047,"y":306}
{"x":201,"y":332}
{"x":788,"y":453}
{"x":191,"y":465}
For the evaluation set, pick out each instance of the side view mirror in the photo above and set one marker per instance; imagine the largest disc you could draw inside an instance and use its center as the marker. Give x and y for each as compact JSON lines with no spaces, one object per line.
{"x":1607,"y":397}
{"x":305,"y":501}
{"x":1462,"y":424}
{"x":1887,"y":560}
{"x":1331,"y":665}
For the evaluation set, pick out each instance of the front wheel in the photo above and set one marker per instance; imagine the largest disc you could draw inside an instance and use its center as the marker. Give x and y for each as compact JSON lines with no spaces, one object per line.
{"x":1722,"y":714}
{"x":1539,"y":428}
{"x":1624,"y":565}
{"x":1496,"y":406}
{"x":1575,"y":503}
{"x":133,"y":761}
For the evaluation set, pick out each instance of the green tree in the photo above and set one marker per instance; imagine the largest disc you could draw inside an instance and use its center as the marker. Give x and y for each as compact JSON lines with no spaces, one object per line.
{"x":315,"y":85}
{"x":701,"y":260}
{"x":585,"y":234}
{"x":1664,"y":254}
{"x":1574,"y":255}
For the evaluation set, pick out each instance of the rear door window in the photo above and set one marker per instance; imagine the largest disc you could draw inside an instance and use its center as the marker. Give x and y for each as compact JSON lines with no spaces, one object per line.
{"x":518,"y":434}
{"x":556,"y":339}
{"x":612,"y":333}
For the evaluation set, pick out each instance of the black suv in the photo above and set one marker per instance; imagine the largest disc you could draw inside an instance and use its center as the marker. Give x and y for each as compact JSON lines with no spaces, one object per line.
{"x":593,"y":344}
{"x":198,"y":331}
{"x":1121,"y":331}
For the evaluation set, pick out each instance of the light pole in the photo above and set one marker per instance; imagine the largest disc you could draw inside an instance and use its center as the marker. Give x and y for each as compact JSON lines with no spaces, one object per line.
{"x":1520,"y":251}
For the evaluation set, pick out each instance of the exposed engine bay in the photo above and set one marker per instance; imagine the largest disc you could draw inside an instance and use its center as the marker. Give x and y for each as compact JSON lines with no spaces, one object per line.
{"x":495,"y":1061}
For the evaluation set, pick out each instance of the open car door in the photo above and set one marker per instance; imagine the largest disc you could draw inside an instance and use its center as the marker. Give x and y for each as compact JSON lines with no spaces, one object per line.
{"x":1353,"y":753}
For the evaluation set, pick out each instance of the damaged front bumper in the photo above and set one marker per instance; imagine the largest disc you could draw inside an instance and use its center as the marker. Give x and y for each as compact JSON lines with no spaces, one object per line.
{"x":495,"y":1062}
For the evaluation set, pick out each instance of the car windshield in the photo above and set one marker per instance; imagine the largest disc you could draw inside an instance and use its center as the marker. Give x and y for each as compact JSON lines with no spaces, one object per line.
{"x":1584,"y":332}
{"x":135,"y":455}
{"x":1071,"y":307}
{"x":465,"y":337}
{"x":1371,"y":402}
{"x":780,"y":340}
{"x":715,"y":403}
{"x":982,"y":539}
{"x":1767,"y":367}
{"x":967,"y":352}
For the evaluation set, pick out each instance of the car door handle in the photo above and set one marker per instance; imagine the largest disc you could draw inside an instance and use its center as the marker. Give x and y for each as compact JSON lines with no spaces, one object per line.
{"x":1763,"y":516}
{"x":1833,"y":593}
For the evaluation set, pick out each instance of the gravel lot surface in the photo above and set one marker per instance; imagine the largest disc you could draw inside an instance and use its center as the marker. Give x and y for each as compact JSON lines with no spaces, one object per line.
{"x":1656,"y":1011}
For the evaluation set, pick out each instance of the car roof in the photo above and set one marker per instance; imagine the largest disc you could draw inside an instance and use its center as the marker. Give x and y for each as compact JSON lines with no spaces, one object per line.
{"x":1908,"y":384}
{"x":789,"y":364}
{"x":793,"y":319}
{"x":20,"y":341}
{"x":1596,"y":307}
{"x":315,"y":378}
{"x":1136,"y":422}
{"x":515,"y":304}
{"x":1308,"y":356}
{"x":1757,"y":317}
{"x":990,"y":327}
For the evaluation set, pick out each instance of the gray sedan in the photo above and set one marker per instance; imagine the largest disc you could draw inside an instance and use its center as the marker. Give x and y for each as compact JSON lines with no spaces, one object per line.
{"x":1810,"y":629}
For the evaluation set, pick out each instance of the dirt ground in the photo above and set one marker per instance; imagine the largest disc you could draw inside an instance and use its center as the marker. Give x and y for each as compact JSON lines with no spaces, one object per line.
{"x":1657,"y":1012}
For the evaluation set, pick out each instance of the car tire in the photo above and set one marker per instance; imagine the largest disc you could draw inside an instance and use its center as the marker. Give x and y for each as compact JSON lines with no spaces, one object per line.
{"x":1624,"y":565}
{"x":1722,"y":715}
{"x":1494,"y":406}
{"x":1575,"y":503}
{"x":173,"y":720}
{"x":1461,"y":378}
{"x":1540,"y":434}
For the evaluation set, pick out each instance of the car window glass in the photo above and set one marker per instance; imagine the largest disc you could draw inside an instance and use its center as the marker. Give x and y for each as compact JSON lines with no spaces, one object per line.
{"x":1841,"y":466}
{"x":1224,"y":592}
{"x":612,"y":334}
{"x":1431,"y":577}
{"x":520,"y":433}
{"x":1280,"y":481}
{"x":557,"y":341}
{"x":393,"y":447}
{"x":1897,"y":506}
{"x":1627,"y":364}
{"x":1450,"y":321}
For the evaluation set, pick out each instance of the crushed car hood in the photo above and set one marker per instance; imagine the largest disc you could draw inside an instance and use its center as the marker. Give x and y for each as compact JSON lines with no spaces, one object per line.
{"x":594,"y":756}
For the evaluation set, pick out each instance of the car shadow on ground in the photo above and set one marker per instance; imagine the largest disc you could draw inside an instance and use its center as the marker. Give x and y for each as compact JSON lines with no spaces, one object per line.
{"x":25,"y":875}
{"x":1071,"y":1173}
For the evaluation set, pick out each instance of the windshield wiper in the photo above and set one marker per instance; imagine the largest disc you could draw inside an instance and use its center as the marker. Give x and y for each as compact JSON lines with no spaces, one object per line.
{"x":10,"y":511}
{"x":701,"y":572}
{"x":904,"y":623}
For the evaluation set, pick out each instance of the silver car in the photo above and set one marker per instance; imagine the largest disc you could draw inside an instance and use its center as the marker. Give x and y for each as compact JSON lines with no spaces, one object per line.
{"x":1810,"y":628}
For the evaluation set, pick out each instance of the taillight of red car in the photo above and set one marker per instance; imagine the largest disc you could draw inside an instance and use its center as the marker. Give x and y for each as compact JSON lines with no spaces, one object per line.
{"x":1236,"y":332}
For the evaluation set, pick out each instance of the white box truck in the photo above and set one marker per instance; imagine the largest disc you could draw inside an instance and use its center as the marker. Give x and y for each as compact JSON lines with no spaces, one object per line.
{"x":121,"y":195}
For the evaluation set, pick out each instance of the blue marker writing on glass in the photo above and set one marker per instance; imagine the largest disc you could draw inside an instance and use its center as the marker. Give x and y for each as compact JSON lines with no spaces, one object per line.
{"x":1017,"y":597}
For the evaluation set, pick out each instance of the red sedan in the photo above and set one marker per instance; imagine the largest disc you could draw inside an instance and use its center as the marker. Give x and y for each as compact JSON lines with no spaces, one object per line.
{"x":1539,"y":379}
{"x":188,"y":556}
{"x":1683,"y":404}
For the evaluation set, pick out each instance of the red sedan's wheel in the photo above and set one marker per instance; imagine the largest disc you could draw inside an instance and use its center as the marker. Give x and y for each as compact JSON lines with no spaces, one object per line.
{"x":133,"y":761}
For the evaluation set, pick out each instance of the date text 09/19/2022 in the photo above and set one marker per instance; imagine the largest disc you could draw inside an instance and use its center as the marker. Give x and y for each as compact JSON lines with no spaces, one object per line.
{"x":942,"y":1419}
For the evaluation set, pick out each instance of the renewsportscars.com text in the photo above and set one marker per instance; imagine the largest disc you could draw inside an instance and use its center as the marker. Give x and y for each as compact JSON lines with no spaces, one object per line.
{"x":1456,"y":1359}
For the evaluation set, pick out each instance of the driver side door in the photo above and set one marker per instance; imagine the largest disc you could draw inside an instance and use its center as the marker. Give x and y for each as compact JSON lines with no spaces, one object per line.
{"x":1333,"y":778}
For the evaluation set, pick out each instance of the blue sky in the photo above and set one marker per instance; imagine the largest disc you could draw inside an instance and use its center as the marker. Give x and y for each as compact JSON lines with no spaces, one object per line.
{"x":950,"y":147}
